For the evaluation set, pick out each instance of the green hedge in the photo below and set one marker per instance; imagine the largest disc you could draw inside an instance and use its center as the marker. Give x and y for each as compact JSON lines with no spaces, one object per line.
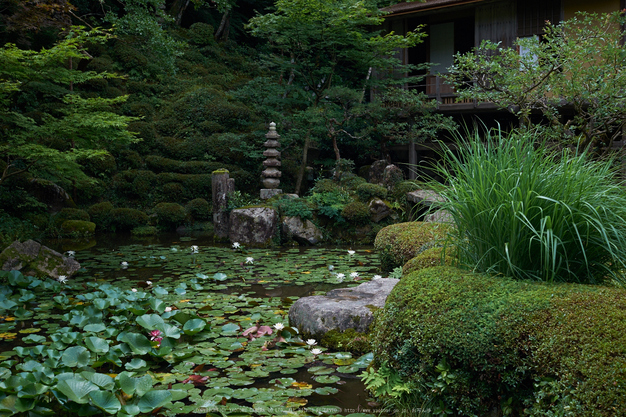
{"x":466,"y":344}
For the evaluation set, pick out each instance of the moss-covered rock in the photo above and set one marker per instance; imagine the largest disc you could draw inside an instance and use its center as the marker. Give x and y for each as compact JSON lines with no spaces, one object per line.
{"x":170,"y":215}
{"x":485,"y":342}
{"x":437,"y":256}
{"x":349,"y":340}
{"x":356,"y":212}
{"x":78,"y":228}
{"x":400,"y":242}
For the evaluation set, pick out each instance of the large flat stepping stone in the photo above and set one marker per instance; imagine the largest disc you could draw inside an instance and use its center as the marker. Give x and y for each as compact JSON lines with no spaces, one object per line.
{"x":341,"y":308}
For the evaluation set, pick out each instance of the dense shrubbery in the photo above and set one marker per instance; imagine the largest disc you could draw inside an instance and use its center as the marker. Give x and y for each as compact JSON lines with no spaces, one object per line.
{"x":126,"y":219}
{"x":170,"y":215}
{"x":524,"y":211}
{"x":367,"y":191}
{"x":463,"y":343}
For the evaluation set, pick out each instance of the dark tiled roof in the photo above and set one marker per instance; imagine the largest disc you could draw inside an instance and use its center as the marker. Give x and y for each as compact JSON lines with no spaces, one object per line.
{"x":417,"y":6}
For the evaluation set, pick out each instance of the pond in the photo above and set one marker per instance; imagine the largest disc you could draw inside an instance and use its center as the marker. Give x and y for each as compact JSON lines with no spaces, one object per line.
{"x":203,"y":328}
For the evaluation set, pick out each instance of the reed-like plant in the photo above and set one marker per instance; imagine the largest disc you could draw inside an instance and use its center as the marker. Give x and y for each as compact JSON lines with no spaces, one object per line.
{"x":525,"y":211}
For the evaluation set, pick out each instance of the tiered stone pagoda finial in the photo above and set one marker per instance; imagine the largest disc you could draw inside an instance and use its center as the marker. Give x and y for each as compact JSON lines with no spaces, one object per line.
{"x":271,"y":174}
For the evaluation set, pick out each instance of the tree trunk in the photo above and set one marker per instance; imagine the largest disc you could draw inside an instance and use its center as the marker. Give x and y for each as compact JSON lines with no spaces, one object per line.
{"x":305,"y":152}
{"x":178,"y":9}
{"x":224,"y":28}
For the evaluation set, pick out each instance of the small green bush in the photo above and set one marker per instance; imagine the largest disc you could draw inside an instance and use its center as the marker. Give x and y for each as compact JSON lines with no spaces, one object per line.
{"x":356,"y":212}
{"x":325,"y":186}
{"x":351,"y":181}
{"x":466,"y":344}
{"x":398,"y":243}
{"x":294,"y":207}
{"x":77,"y":228}
{"x":331,"y":204}
{"x":400,"y":189}
{"x":143,"y":231}
{"x":367,"y":191}
{"x":69,"y":213}
{"x":135,"y":183}
{"x":170,"y":215}
{"x":199,"y":209}
{"x":126,"y":219}
{"x":100,"y":214}
{"x":201,"y":34}
{"x":173,"y":191}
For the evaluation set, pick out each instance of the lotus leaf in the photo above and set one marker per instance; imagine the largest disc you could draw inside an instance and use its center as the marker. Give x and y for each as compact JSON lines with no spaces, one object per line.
{"x":153,"y":399}
{"x":75,"y":356}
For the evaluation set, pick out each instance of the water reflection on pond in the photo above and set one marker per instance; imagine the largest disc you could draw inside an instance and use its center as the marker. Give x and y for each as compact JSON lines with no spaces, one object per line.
{"x":233,"y":289}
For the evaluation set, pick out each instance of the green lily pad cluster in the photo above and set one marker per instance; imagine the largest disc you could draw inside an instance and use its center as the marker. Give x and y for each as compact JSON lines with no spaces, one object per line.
{"x":172,"y":331}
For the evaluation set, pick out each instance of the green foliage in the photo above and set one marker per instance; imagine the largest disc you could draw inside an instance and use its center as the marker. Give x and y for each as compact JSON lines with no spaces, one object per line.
{"x":435,"y":256}
{"x":100,"y":214}
{"x":170,"y":215}
{"x":400,"y":242}
{"x":580,"y":61}
{"x":237,"y":199}
{"x":66,"y":127}
{"x":78,"y":228}
{"x":294,"y":207}
{"x":526,"y":212}
{"x":367,"y":191}
{"x":126,"y":219}
{"x":199,"y":209}
{"x":470,"y":342}
{"x":356,"y":212}
{"x":331,"y":204}
{"x":143,"y":231}
{"x":349,"y":340}
{"x":13,"y":228}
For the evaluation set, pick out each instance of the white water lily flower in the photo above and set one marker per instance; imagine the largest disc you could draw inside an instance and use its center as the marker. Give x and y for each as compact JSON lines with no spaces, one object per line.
{"x":249,"y":260}
{"x":194,"y":249}
{"x":377,"y":277}
{"x":174,"y":249}
{"x":62,"y":279}
{"x":134,"y":290}
{"x":316,"y":351}
{"x":149,"y":282}
{"x":311,"y":342}
{"x":351,"y":252}
{"x":236,"y":245}
{"x":168,"y":309}
{"x":340,"y":276}
{"x":354,"y":275}
{"x":71,"y":253}
{"x":279,"y":326}
{"x":124,"y":264}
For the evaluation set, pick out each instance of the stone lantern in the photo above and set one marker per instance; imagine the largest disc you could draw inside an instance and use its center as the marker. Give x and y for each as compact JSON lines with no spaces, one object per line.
{"x":271,"y":174}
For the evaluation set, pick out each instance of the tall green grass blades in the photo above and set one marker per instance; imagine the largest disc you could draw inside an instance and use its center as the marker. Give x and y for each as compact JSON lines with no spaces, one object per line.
{"x":524,"y":211}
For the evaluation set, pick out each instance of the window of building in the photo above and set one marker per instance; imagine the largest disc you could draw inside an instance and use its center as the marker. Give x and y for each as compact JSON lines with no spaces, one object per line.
{"x":533,"y":14}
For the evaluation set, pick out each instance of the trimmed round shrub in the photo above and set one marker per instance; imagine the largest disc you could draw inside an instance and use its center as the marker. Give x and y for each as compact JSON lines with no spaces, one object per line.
{"x":170,"y":215}
{"x":356,"y":212}
{"x":135,"y":183}
{"x":199,"y":209}
{"x":126,"y":219}
{"x":201,"y":34}
{"x":173,"y":191}
{"x":367,"y":191}
{"x":100,"y":214}
{"x":143,"y":231}
{"x":69,"y":213}
{"x":398,"y":243}
{"x":437,"y":256}
{"x":78,"y":228}
{"x":351,"y":181}
{"x":468,"y":343}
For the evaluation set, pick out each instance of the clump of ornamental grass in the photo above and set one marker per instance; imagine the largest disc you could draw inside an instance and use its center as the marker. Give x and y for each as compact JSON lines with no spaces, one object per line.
{"x":526,"y":211}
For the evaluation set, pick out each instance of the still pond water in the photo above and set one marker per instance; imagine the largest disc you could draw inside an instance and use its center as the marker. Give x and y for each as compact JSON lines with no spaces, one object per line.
{"x":231,"y":290}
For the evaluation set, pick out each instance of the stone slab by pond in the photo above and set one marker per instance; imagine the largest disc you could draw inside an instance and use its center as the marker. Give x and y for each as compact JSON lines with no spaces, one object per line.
{"x":32,"y":258}
{"x":253,"y":226}
{"x":340,"y":309}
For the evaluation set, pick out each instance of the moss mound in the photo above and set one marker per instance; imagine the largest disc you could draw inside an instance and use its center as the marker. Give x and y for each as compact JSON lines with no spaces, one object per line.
{"x":356,"y":212}
{"x":199,"y":209}
{"x":486,"y":342}
{"x":368,"y":191}
{"x":437,"y":256}
{"x":349,"y":340}
{"x":400,"y":242}
{"x":126,"y":219}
